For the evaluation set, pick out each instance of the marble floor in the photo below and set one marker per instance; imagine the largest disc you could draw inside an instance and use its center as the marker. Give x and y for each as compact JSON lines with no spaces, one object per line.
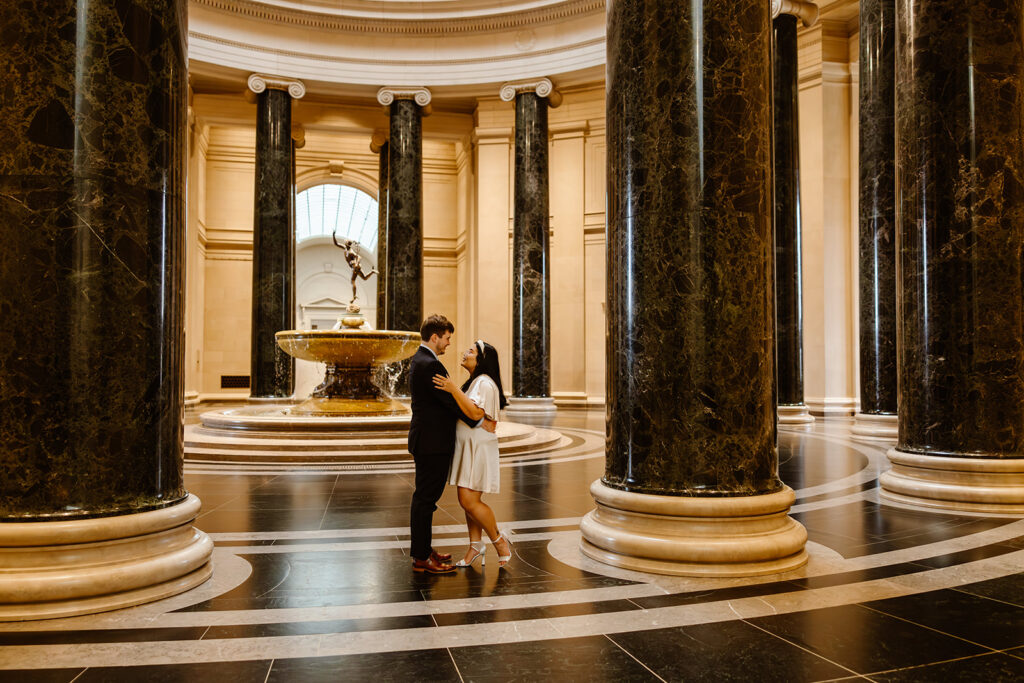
{"x":312,"y":583}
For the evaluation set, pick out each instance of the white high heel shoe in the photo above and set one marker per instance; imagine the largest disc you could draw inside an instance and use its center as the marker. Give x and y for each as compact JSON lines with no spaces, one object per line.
{"x":480,"y":548}
{"x":503,"y":559}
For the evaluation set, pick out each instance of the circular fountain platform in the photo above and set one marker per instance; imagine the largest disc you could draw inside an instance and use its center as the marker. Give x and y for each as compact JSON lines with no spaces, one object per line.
{"x":268,"y":437}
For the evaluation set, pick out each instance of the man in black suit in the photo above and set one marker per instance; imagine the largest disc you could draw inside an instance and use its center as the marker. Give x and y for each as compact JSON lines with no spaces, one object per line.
{"x":431,"y":440}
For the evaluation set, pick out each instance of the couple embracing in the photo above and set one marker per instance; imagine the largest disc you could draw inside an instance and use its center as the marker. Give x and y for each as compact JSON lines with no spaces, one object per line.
{"x":452,"y":439}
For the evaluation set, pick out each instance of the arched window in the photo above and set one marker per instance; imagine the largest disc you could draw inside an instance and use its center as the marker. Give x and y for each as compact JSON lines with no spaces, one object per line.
{"x":322,"y":209}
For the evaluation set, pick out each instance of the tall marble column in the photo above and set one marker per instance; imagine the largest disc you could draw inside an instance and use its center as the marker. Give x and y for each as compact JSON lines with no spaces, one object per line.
{"x":960,"y":273}
{"x":788,"y":247}
{"x":272,"y":375}
{"x":93,"y":506}
{"x":876,"y":420}
{"x":379,"y":146}
{"x":404,"y":306}
{"x":691,"y":481}
{"x":531,"y":279}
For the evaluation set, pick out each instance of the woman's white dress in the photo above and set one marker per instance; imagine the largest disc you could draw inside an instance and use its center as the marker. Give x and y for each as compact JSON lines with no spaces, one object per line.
{"x":475,"y":463}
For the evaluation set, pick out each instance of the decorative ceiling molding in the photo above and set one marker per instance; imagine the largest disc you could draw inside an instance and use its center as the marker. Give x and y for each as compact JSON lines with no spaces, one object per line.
{"x":499,"y":17}
{"x":594,"y":42}
{"x":364,"y":68}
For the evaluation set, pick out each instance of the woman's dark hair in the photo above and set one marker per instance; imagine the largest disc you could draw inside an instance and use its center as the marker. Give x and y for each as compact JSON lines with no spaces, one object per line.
{"x":487,"y":364}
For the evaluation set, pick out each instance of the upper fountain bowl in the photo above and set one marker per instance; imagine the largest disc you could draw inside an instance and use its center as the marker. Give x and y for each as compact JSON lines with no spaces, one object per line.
{"x":349,"y":348}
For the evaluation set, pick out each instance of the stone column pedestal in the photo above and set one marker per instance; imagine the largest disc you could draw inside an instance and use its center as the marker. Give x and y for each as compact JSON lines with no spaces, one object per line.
{"x":683,"y":536}
{"x":974,"y":484}
{"x":67,"y":568}
{"x":798,"y":415}
{"x":530,"y":407}
{"x":875,"y":428}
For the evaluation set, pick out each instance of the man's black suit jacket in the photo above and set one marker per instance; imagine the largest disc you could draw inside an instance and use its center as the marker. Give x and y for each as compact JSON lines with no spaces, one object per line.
{"x":434,"y":411}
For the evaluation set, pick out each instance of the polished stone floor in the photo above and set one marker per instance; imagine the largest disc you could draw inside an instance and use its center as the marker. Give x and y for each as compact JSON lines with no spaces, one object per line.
{"x":312,"y":583}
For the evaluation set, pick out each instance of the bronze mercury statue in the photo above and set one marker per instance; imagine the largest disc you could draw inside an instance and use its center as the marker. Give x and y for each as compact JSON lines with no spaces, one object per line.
{"x":355,"y":262}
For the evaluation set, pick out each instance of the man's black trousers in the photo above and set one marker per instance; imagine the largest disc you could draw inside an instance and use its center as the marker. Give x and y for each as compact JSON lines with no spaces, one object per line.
{"x":431,"y":475}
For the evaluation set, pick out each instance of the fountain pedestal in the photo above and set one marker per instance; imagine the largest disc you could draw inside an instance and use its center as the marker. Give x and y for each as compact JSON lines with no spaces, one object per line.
{"x":352,"y":356}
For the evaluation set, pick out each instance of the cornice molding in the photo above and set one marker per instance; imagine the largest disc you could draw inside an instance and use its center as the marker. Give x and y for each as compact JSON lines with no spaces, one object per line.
{"x":260,"y":82}
{"x":375,"y":19}
{"x":389,"y":94}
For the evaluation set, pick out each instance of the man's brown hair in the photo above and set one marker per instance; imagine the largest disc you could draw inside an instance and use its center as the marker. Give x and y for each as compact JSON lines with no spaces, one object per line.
{"x":435,"y":324}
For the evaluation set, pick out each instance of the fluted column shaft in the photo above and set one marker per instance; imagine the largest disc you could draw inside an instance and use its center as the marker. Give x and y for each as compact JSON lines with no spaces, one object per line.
{"x":531,"y":297}
{"x":877,"y":207}
{"x":691,"y":346}
{"x":960,"y":175}
{"x":404,"y":247}
{"x":788,"y":247}
{"x":92,"y":225}
{"x":273,"y":247}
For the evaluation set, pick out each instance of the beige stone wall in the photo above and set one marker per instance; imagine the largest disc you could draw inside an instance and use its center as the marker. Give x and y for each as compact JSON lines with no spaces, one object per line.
{"x":828,"y":195}
{"x":468,"y":172}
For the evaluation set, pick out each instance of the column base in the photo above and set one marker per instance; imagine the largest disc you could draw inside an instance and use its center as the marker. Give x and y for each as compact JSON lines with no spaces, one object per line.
{"x":875,"y":428}
{"x":797,"y":415}
{"x":191,"y":398}
{"x":83,"y":566}
{"x":530,"y":407}
{"x":688,"y":536}
{"x":970,"y":484}
{"x":283,"y":400}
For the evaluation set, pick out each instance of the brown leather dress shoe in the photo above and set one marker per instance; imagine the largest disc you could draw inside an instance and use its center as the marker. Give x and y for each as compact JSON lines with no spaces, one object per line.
{"x":432,"y":566}
{"x":443,"y":558}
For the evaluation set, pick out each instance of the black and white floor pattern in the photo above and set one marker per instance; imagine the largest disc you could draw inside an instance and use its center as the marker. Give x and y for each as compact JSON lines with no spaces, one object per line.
{"x":312,"y":583}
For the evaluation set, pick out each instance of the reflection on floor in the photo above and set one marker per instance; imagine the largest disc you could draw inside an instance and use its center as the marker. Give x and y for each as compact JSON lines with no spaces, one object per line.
{"x":312,"y":583}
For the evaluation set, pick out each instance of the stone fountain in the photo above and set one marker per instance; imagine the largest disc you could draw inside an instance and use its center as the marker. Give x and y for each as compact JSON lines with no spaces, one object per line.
{"x":348,"y":423}
{"x":352,"y":355}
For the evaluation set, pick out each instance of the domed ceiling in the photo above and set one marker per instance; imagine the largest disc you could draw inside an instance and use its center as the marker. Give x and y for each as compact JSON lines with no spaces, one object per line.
{"x":457,"y":48}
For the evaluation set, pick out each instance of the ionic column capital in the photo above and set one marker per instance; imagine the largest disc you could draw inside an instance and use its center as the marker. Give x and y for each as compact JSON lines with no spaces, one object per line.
{"x":807,"y":12}
{"x":389,"y":94}
{"x":543,"y":87}
{"x":260,"y":82}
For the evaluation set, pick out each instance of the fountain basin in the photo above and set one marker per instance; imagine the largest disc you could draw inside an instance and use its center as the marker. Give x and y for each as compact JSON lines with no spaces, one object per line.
{"x":351,"y":356}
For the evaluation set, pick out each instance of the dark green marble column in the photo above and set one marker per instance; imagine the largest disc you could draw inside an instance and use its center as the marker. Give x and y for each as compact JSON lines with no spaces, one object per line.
{"x":690,"y":307}
{"x":404,"y":306}
{"x":380,"y":146}
{"x":531,"y":309}
{"x":960,"y":274}
{"x":92,"y":225}
{"x":788,"y":247}
{"x":691,"y":310}
{"x":877,"y":208}
{"x":273,"y":240}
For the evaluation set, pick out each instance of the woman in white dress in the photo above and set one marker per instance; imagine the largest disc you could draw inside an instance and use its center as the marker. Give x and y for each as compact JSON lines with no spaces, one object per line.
{"x":474,"y":467}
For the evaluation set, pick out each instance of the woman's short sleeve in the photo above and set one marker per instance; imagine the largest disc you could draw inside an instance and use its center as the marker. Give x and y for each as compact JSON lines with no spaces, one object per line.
{"x":484,"y":393}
